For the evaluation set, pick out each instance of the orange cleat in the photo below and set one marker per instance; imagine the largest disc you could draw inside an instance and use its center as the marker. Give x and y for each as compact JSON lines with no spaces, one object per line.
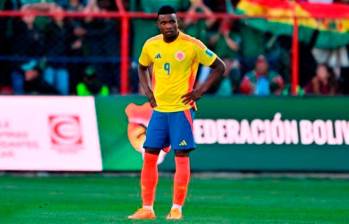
{"x":143,"y":213}
{"x":175,"y":214}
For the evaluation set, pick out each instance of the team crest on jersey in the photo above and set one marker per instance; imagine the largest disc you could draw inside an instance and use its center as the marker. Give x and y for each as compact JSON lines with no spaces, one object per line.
{"x":179,"y":55}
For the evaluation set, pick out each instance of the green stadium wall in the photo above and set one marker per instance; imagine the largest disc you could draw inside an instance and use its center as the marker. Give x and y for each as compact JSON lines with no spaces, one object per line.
{"x":240,"y":134}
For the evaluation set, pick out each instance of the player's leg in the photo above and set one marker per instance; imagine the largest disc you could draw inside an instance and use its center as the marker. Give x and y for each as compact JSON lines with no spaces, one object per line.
{"x":149,"y":177}
{"x":182,"y":141}
{"x":156,"y":139}
{"x":149,"y":180}
{"x":180,"y":184}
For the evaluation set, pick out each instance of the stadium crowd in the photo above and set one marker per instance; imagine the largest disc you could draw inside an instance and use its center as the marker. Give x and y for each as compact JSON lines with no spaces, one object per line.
{"x":58,"y":55}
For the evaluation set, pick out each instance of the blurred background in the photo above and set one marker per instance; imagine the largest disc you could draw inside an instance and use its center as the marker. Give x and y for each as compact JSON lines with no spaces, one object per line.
{"x":98,"y":41}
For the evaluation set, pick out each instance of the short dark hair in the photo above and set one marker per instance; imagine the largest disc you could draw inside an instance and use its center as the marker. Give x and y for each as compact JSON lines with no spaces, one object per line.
{"x":166,"y":9}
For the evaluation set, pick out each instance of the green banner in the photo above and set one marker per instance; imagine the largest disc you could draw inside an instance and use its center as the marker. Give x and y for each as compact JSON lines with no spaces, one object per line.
{"x":238,"y":133}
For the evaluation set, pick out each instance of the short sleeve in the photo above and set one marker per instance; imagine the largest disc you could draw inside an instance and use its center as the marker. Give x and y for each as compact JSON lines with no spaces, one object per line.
{"x":144,"y":58}
{"x":204,"y":55}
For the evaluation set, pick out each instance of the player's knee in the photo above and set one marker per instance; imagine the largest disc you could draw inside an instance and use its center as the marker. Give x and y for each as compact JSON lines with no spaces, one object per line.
{"x":182,"y":153}
{"x":152,"y":151}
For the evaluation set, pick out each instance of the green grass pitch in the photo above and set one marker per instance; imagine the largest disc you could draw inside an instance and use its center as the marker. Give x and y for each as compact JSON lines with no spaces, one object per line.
{"x":109,"y":199}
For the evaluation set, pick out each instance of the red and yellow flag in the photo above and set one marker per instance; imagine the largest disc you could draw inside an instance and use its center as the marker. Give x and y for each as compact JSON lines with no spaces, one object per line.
{"x":332,"y":20}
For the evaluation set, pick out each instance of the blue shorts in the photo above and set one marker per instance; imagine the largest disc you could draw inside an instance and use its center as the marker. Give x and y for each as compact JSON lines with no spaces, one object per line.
{"x":173,"y":129}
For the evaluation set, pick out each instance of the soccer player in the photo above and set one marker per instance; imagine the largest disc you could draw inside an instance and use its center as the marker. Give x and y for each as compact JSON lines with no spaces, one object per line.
{"x":174,"y":58}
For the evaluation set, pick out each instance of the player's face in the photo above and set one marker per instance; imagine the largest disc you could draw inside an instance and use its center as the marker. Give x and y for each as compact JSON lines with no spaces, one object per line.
{"x":168,"y":25}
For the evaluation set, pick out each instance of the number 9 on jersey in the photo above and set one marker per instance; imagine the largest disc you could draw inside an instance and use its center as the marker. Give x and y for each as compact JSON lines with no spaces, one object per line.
{"x":167,"y":68}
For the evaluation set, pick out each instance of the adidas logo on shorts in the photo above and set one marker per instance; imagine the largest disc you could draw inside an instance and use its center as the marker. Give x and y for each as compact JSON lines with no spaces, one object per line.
{"x":183,"y":143}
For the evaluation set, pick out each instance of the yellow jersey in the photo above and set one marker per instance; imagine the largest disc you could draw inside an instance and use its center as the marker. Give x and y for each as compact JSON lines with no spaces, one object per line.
{"x":174,"y":67}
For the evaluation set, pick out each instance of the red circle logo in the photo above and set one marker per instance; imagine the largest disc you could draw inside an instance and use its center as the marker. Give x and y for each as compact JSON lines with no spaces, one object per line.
{"x":65,"y":130}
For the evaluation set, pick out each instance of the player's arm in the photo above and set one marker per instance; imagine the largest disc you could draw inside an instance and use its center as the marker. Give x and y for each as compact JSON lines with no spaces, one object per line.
{"x":144,"y":82}
{"x":218,"y":68}
{"x":144,"y":62}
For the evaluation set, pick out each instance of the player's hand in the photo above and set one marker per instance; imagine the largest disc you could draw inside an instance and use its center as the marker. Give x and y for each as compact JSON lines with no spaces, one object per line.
{"x":191,"y":96}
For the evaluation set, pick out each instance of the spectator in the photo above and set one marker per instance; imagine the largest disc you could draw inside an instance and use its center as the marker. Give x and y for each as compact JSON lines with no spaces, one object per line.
{"x":323,"y":83}
{"x":102,"y":42}
{"x":76,"y":50}
{"x":91,"y":85}
{"x":335,"y":58}
{"x":227,"y":42}
{"x":28,"y":43}
{"x":278,"y":54}
{"x":58,"y":33}
{"x":32,"y":82}
{"x":27,"y":37}
{"x":198,"y":27}
{"x":262,"y":81}
{"x":252,"y":45}
{"x":307,"y":62}
{"x":76,"y":44}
